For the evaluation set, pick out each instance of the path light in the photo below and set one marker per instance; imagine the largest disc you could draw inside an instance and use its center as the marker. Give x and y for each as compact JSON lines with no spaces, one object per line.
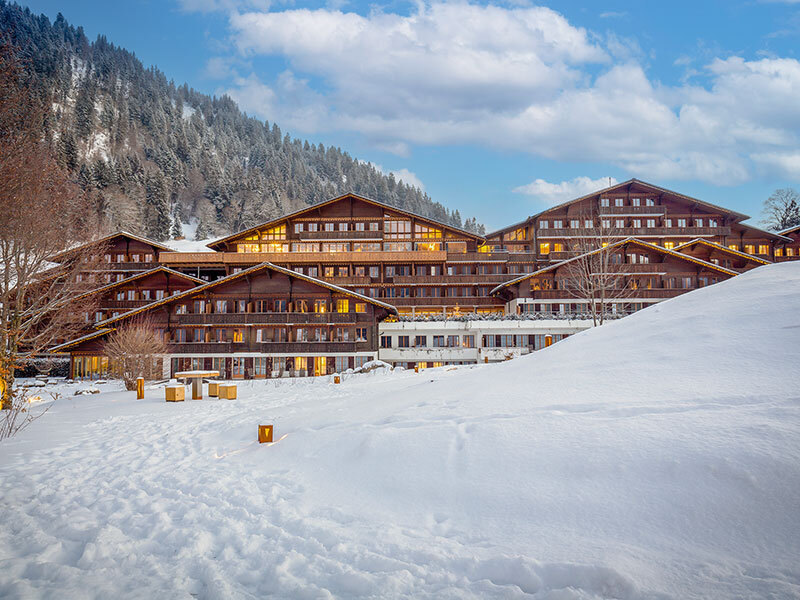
{"x":139,"y":388}
{"x":264,"y":433}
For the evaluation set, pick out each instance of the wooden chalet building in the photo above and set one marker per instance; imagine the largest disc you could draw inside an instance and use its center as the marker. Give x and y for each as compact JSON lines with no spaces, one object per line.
{"x":417,"y":264}
{"x":791,"y":249}
{"x":723,"y":255}
{"x":633,"y":209}
{"x":265,"y":321}
{"x":642,"y":274}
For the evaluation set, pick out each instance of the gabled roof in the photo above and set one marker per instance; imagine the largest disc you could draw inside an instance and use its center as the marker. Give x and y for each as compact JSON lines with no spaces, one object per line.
{"x":250,"y":271}
{"x":216,"y":243}
{"x":769,"y":234}
{"x":722,"y":248}
{"x":612,"y":188}
{"x":626,"y":241}
{"x":794,"y":229}
{"x":86,"y":338}
{"x":65,"y":254}
{"x":140,"y":275}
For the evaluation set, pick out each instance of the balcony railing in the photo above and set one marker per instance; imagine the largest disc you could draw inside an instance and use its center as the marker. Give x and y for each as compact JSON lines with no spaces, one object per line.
{"x":339,"y":235}
{"x":288,"y":348}
{"x":624,"y":232}
{"x":269,"y":318}
{"x":633,"y":210}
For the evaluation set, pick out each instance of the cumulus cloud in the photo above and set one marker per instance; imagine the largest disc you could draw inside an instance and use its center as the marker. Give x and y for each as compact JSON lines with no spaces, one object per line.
{"x":520,"y":79}
{"x":404,"y":175}
{"x":553,"y":193}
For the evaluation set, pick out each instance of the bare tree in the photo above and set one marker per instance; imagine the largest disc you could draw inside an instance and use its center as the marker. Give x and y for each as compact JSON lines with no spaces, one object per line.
{"x":134,"y":351}
{"x":597,"y":272}
{"x":782,"y":209}
{"x":42,"y":213}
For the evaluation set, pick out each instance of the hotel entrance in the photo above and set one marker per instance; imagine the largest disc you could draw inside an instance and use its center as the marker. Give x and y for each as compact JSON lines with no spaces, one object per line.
{"x":320,"y":366}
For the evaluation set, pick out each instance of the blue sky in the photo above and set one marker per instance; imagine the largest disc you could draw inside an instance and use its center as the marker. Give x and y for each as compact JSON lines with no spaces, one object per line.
{"x":500,"y":109}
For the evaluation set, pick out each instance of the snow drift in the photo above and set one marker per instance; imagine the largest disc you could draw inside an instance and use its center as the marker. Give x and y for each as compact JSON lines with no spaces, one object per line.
{"x":655,"y":457}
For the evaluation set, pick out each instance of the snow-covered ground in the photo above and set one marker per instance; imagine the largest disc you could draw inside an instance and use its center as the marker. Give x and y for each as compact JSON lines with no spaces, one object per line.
{"x":654,"y":457}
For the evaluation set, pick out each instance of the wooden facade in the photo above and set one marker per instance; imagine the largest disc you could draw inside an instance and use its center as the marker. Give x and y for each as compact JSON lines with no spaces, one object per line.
{"x":264,"y":321}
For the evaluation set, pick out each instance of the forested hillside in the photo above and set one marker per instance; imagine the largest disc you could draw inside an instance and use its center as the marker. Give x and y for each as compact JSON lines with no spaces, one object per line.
{"x":155,"y":154}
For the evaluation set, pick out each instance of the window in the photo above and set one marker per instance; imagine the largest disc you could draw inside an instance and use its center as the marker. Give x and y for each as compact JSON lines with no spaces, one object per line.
{"x":750,"y":248}
{"x":651,"y":223}
{"x":320,"y":306}
{"x":604,"y":202}
{"x":637,"y":222}
{"x":275,"y":233}
{"x":199,"y":307}
{"x":135,"y":258}
{"x":469,"y":341}
{"x":240,"y":306}
{"x":618,"y":202}
{"x":366,"y":246}
{"x":359,"y":226}
{"x":574,"y":223}
{"x":778,"y":251}
{"x":313,"y":226}
{"x":698,"y":222}
{"x":199,"y":335}
{"x":619,"y":223}
{"x":221,"y":306}
{"x":421,"y":341}
{"x":361,"y":334}
{"x":686,"y":282}
{"x":374,"y":272}
{"x":327,"y":271}
{"x":393,"y":230}
{"x":588,"y":223}
{"x":305,"y":247}
{"x":361,"y":307}
{"x":667,"y":222}
{"x":733,"y":247}
{"x":120,"y":258}
{"x":402,"y":341}
{"x":180,"y":335}
{"x":313,"y":272}
{"x":386,"y":341}
{"x":180,"y":309}
{"x":558,"y":247}
{"x":712,"y":223}
{"x":335,"y":247}
{"x":145,"y":294}
{"x":373,"y":227}
{"x":558,"y":224}
{"x":280,"y":305}
{"x":120,"y":296}
{"x":544,"y":248}
{"x":543,"y":224}
{"x":453,"y":341}
{"x":298,"y":228}
{"x":343,"y":226}
{"x":342,"y":305}
{"x":681,"y":222}
{"x":763,"y":249}
{"x":636,"y":202}
{"x":397,"y":246}
{"x":342,"y":271}
{"x":425,"y":232}
{"x":159,"y":294}
{"x":438,"y":341}
{"x":649,"y":202}
{"x":790,"y":252}
{"x":669,"y":245}
{"x":328,"y":226}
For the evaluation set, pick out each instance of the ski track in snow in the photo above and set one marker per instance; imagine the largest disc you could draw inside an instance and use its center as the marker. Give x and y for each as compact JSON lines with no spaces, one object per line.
{"x":655,"y":457}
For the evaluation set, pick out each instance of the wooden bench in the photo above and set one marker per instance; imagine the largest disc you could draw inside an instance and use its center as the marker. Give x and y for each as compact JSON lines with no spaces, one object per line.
{"x":175,"y":393}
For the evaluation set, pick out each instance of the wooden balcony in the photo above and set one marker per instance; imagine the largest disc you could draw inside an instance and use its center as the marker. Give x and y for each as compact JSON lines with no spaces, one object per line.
{"x":633,"y":210}
{"x":234,"y":319}
{"x":287,"y":348}
{"x":472,"y":257}
{"x":244,"y":259}
{"x":315,"y":236}
{"x":642,"y":232}
{"x":487,"y":279}
{"x":464,"y":301}
{"x":629,"y":295}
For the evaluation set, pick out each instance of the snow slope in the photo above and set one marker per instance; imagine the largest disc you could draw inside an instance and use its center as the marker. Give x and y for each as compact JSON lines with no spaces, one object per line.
{"x":655,"y":457}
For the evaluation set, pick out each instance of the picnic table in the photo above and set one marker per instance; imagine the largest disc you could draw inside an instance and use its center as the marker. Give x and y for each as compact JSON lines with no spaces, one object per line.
{"x":197,"y":380}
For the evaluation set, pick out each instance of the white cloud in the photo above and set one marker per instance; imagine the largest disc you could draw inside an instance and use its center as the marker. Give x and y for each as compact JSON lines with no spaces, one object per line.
{"x":520,"y":79}
{"x":553,"y":193}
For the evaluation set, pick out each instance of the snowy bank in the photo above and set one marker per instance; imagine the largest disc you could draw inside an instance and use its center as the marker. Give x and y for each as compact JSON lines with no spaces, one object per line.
{"x":655,"y":457}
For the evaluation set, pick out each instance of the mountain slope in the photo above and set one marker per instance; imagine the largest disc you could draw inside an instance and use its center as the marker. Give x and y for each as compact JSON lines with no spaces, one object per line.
{"x":157,"y":153}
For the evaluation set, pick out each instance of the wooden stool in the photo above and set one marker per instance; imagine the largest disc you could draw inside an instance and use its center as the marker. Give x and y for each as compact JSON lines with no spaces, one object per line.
{"x":213,"y":389}
{"x":175,"y":393}
{"x":227,"y":391}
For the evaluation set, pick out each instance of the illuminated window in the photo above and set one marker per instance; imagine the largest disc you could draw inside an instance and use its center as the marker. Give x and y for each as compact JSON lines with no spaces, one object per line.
{"x":557,"y":247}
{"x":733,"y":246}
{"x":669,"y":245}
{"x":335,"y":247}
{"x":427,"y":233}
{"x":320,"y":306}
{"x":427,"y":246}
{"x":305,"y":247}
{"x":763,"y":249}
{"x":544,"y":248}
{"x":275,"y":233}
{"x":366,"y":246}
{"x":750,"y":248}
{"x":361,"y":307}
{"x":342,"y":305}
{"x":790,"y":252}
{"x":778,"y":251}
{"x":605,"y":244}
{"x":274,"y":247}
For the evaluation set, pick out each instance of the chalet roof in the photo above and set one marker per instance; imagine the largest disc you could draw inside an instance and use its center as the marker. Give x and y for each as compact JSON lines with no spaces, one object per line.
{"x":794,"y":229}
{"x":121,"y":233}
{"x":86,"y":338}
{"x":245,"y":272}
{"x":216,"y":243}
{"x":770,"y":234}
{"x":141,"y":275}
{"x":722,"y":248}
{"x":626,"y":241}
{"x":655,"y":188}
